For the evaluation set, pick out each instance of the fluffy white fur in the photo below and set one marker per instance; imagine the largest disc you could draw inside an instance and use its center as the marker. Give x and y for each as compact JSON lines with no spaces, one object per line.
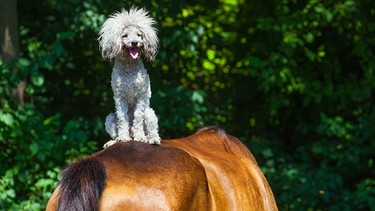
{"x":125,"y":37}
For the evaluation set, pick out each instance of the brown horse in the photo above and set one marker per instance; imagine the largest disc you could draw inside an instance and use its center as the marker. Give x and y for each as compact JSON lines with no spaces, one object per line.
{"x":210,"y":170}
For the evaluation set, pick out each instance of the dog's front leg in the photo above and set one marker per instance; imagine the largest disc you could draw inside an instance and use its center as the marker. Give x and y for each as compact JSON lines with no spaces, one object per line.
{"x":151,"y":126}
{"x":123,"y":119}
{"x":138,"y":122}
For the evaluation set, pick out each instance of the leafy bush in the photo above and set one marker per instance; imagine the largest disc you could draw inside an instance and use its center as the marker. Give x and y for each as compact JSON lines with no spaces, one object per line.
{"x":35,"y":147}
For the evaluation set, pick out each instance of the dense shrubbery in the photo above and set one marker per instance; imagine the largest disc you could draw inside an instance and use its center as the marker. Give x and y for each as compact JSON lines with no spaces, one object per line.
{"x":293,"y":80}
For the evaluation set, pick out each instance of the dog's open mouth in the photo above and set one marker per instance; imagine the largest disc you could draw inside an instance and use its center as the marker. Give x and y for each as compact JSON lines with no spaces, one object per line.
{"x":133,"y":52}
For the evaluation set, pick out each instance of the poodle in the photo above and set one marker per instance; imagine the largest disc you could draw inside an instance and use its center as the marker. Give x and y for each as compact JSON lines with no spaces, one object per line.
{"x":125,"y":37}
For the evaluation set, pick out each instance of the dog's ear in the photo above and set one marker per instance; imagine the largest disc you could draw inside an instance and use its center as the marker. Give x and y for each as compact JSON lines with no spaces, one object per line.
{"x":151,"y":43}
{"x":146,"y":24}
{"x":110,"y":43}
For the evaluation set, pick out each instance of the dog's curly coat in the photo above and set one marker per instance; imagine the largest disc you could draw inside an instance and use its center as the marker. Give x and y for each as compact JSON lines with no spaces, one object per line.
{"x":124,"y":37}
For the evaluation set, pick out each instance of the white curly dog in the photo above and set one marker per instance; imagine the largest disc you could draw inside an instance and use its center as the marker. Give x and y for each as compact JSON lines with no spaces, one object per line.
{"x":124,"y":37}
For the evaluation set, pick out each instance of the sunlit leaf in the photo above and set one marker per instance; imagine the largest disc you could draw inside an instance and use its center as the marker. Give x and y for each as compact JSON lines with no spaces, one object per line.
{"x":37,"y":79}
{"x":7,"y":118}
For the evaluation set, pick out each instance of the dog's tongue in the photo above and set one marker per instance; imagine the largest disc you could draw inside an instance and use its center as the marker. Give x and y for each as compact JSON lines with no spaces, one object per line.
{"x":133,"y":52}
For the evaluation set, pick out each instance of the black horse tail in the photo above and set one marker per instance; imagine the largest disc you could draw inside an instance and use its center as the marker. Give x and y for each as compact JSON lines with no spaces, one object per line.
{"x":82,"y":185}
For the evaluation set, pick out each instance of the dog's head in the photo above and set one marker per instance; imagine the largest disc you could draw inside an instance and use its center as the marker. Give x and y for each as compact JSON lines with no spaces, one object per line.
{"x":131,"y":33}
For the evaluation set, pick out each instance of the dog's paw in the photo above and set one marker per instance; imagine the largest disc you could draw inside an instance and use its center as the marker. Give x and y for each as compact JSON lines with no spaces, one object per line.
{"x":118,"y":139}
{"x":109,"y":143}
{"x":154,"y":140}
{"x":123,"y":139}
{"x":140,"y":138}
{"x":112,"y":142}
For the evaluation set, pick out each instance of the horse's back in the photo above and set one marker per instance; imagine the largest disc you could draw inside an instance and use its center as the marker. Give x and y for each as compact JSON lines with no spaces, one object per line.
{"x":209,"y":170}
{"x":141,"y":176}
{"x":150,"y":177}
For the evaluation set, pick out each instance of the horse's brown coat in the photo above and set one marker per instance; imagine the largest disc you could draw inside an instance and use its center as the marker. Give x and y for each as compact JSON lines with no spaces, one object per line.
{"x":209,"y":170}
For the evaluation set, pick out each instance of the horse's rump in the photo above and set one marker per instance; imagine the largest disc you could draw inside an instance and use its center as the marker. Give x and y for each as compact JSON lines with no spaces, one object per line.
{"x":210,"y":170}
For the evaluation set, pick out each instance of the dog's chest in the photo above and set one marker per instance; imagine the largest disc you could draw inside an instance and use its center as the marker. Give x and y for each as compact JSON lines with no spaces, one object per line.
{"x":130,"y":84}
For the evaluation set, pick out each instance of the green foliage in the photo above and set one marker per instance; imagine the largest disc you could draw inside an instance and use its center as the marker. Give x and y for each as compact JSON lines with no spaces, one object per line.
{"x":34,"y":146}
{"x":294,"y":80}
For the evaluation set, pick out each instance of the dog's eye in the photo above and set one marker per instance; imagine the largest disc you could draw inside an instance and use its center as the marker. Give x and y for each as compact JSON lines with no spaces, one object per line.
{"x":139,"y":35}
{"x":124,"y":36}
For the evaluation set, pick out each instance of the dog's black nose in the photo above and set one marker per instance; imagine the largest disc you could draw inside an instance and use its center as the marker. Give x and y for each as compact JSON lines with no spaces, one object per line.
{"x":134,"y":43}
